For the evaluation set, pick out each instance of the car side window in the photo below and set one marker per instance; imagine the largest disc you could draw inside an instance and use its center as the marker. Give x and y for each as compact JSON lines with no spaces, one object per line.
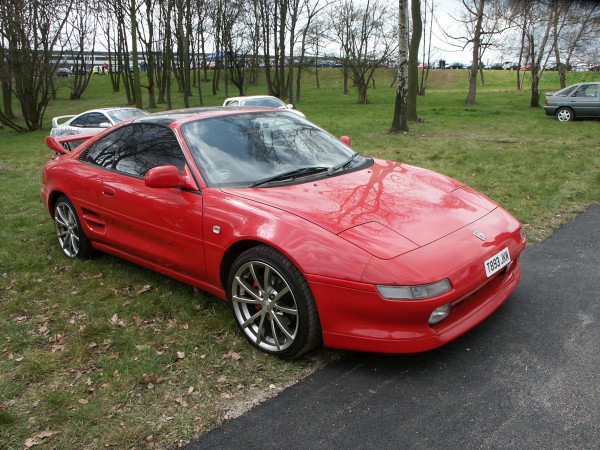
{"x":95,"y":119}
{"x":566,"y":92}
{"x":134,"y":149}
{"x":591,"y":91}
{"x":81,"y":121}
{"x":104,"y":152}
{"x":587,"y":90}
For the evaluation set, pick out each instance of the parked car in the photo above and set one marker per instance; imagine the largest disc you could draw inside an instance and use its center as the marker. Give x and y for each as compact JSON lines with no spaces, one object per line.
{"x":324,"y":63}
{"x":455,"y":65}
{"x":92,"y":121}
{"x":261,"y":100}
{"x":581,"y":67}
{"x":577,"y":100}
{"x":63,"y":72}
{"x":307,"y":240}
{"x":100,"y":70}
{"x":80,"y":70}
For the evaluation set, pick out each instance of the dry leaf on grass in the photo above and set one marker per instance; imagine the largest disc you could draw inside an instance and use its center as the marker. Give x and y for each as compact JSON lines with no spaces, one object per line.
{"x":114,"y":320}
{"x":234,"y":356}
{"x":144,"y":288}
{"x":84,"y":276}
{"x":39,"y":438}
{"x":151,"y":380}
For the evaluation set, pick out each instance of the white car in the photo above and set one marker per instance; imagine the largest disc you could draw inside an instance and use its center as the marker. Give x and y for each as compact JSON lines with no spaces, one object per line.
{"x":93,"y":121}
{"x":261,"y":100}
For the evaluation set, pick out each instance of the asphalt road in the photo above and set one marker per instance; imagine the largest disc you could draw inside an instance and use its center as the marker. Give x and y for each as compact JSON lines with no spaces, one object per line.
{"x":527,"y":378}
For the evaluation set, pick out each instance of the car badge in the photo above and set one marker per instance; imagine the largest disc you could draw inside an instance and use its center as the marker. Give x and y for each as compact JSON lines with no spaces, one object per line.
{"x":480,"y":235}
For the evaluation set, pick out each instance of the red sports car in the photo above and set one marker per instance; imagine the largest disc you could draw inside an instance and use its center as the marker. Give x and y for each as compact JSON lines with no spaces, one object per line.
{"x":307,"y":240}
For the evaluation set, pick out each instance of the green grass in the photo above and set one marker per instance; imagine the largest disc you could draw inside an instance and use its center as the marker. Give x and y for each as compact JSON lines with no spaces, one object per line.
{"x":104,"y":353}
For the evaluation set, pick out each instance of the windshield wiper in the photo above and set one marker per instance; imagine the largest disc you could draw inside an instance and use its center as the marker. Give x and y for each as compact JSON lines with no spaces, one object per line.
{"x":292,"y":174}
{"x":343,"y":165}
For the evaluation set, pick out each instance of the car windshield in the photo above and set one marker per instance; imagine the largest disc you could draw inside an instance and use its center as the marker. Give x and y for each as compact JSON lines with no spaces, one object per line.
{"x":121,"y":115}
{"x":249,"y":149}
{"x":266,"y":101}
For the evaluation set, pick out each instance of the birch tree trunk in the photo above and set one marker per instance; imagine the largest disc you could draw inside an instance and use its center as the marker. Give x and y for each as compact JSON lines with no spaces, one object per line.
{"x":400,"y":122}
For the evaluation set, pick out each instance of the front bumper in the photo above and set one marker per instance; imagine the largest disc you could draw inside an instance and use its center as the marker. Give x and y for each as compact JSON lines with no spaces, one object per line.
{"x":355,"y":316}
{"x":367,"y":322}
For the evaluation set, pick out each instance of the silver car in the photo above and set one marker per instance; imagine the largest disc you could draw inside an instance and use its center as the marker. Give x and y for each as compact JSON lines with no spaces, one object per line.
{"x":93,"y":121}
{"x":261,"y":100}
{"x":576,"y":101}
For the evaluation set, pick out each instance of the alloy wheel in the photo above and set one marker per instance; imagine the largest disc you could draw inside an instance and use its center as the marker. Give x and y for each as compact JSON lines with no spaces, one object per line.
{"x":265,"y":306}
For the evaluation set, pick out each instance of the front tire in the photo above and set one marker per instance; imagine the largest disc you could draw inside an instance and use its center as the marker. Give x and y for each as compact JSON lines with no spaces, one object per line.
{"x":71,"y":238}
{"x":272,"y":303}
{"x":565,"y":114}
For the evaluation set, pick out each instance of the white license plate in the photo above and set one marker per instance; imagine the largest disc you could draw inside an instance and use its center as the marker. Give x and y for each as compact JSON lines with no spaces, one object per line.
{"x":496,"y":262}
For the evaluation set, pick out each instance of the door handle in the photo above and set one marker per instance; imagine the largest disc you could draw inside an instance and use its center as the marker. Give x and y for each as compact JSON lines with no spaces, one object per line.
{"x":109,"y":192}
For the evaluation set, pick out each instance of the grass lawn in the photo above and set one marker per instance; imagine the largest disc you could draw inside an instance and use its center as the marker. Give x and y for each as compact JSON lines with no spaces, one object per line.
{"x":103,"y":353}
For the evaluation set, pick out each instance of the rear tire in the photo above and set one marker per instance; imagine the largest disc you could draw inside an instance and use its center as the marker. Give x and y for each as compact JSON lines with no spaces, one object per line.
{"x":71,"y":238}
{"x":565,"y":114}
{"x":272,"y":303}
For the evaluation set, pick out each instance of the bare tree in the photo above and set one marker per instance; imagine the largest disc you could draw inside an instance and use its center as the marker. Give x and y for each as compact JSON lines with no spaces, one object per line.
{"x":537,"y":21}
{"x":367,"y":39}
{"x":237,"y":47}
{"x":312,"y":9}
{"x":110,"y":43}
{"x":5,"y":76}
{"x":118,"y":24}
{"x":316,"y":40}
{"x":428,"y":8}
{"x":400,"y":122}
{"x":82,"y":25}
{"x":146,"y":33}
{"x":476,"y":11}
{"x":167,"y":8}
{"x":484,"y":21}
{"x":576,"y":29}
{"x":183,"y":38}
{"x":33,"y":31}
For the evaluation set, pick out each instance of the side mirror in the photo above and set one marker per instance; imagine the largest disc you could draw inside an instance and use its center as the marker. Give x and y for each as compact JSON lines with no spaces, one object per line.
{"x":169,"y":177}
{"x":104,"y":125}
{"x":291,"y":106}
{"x":346,"y":140}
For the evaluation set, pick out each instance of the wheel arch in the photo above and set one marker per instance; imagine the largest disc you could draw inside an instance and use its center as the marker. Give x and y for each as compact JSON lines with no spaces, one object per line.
{"x":231,"y":255}
{"x":560,"y":108}
{"x":52,"y":199}
{"x":239,"y":247}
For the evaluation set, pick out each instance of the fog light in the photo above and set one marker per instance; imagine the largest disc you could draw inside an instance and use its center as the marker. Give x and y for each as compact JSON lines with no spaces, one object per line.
{"x":439,"y":314}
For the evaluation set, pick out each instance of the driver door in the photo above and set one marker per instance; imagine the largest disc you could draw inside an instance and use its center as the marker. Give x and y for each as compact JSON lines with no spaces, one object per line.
{"x":161,"y":227}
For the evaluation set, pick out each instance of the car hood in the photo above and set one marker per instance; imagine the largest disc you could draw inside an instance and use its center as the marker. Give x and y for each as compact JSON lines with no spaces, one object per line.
{"x":387,"y":209}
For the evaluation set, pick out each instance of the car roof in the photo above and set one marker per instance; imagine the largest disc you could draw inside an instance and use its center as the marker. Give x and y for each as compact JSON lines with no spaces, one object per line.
{"x":247,"y":97}
{"x":583,"y":82}
{"x":102,"y":110}
{"x":181,"y":115}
